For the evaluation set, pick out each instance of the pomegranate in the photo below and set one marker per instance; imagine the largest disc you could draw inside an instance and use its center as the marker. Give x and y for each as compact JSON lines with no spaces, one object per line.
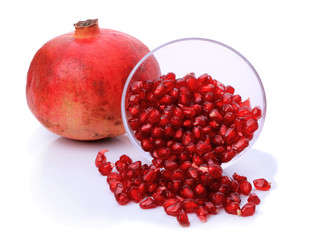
{"x":75,"y":81}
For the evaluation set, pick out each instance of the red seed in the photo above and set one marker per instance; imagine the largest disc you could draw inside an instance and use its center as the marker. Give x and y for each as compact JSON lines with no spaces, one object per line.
{"x":233,"y":208}
{"x":231,"y":135}
{"x":257,"y":113}
{"x":134,"y":194}
{"x":245,"y":187}
{"x":100,"y":158}
{"x":239,"y":178}
{"x":241,"y":144}
{"x":262,"y":184}
{"x":148,"y":203}
{"x":146,"y":145}
{"x":202,"y":147}
{"x":106,"y":168}
{"x":215,"y":170}
{"x":202,"y":213}
{"x":248,"y":210}
{"x":150,"y":176}
{"x":253,"y":198}
{"x":218,"y":198}
{"x":200,"y":190}
{"x":182,"y":218}
{"x":189,"y":205}
{"x":211,"y":208}
{"x":122,"y":199}
{"x":172,"y":207}
{"x":126,"y":159}
{"x":187,"y":192}
{"x":251,"y":126}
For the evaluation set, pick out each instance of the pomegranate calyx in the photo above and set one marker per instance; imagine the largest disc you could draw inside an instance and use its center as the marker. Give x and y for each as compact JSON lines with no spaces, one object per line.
{"x":86,"y":23}
{"x":86,"y":29}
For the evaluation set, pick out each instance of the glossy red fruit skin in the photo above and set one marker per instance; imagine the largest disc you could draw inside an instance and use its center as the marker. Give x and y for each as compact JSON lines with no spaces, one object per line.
{"x":75,"y":81}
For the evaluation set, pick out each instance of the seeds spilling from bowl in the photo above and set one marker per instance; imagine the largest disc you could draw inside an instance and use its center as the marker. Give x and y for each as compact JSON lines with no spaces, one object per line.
{"x":190,"y":126}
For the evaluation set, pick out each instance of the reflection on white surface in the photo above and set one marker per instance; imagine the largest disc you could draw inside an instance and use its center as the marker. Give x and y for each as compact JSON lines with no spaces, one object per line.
{"x":67,"y":187}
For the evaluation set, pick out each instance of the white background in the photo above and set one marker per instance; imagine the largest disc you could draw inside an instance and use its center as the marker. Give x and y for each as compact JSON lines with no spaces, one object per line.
{"x":49,"y":186}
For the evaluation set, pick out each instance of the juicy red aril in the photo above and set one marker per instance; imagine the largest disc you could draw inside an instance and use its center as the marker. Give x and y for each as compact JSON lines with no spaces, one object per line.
{"x":245,"y":187}
{"x":239,"y":178}
{"x":148,"y":203}
{"x":253,"y":198}
{"x":233,"y":208}
{"x":262,"y":184}
{"x":202,"y":213}
{"x":174,"y":209}
{"x":122,"y":199}
{"x":189,"y":205}
{"x":247,"y":210}
{"x":100,"y":158}
{"x":182,"y":218}
{"x":106,"y":168}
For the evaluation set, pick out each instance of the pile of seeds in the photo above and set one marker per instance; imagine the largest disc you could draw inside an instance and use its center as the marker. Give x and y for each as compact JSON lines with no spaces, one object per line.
{"x":190,"y":126}
{"x":188,"y":189}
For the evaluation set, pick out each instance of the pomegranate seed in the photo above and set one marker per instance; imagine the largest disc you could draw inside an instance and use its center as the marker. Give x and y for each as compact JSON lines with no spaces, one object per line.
{"x":202,"y":147}
{"x":239,"y":178}
{"x":148,"y":203}
{"x":187,"y":192}
{"x":172,"y":207}
{"x":146,"y":128}
{"x":146,"y":145}
{"x":218,"y":198}
{"x":106,"y":168}
{"x":253,"y":198}
{"x":207,"y":88}
{"x":257,"y":113}
{"x":231,"y":135}
{"x":234,"y":197}
{"x":246,"y":103}
{"x":122,"y":199}
{"x":134,"y":194}
{"x":178,"y":175}
{"x":248,"y":210}
{"x":126,"y":159}
{"x":170,"y":165}
{"x":262,"y":184}
{"x":251,"y":126}
{"x":245,"y":187}
{"x":100,"y":158}
{"x":229,"y":89}
{"x":241,"y":144}
{"x":215,"y":170}
{"x":192,"y":173}
{"x":166,"y":100}
{"x":150,"y":176}
{"x":189,"y":205}
{"x":211,"y":208}
{"x":182,"y":218}
{"x":200,"y":190}
{"x":202,"y":213}
{"x":160,"y":90}
{"x":233,"y":208}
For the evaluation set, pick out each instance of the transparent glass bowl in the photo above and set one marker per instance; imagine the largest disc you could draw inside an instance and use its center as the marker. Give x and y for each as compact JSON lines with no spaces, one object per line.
{"x":201,"y":56}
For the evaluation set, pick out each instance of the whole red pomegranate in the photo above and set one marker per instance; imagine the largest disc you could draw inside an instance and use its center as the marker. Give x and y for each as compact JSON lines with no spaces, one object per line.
{"x":75,"y":81}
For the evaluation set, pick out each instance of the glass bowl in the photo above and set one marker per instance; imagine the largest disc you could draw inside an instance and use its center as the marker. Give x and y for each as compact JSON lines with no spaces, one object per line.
{"x":201,"y":56}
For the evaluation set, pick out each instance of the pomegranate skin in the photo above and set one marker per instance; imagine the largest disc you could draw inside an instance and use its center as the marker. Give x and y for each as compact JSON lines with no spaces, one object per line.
{"x":75,"y":81}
